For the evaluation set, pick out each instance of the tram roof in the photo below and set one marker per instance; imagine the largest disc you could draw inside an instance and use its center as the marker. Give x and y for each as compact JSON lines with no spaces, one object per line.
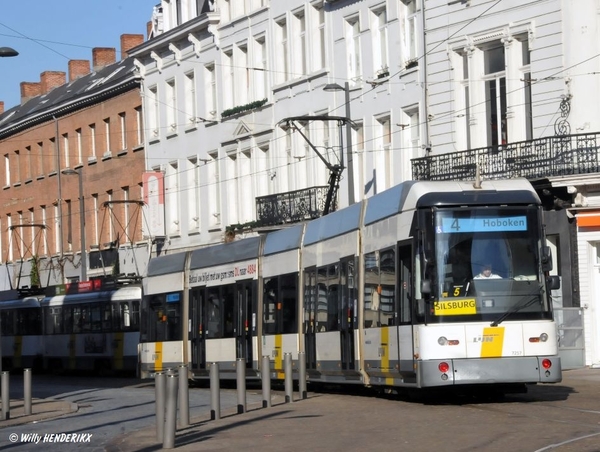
{"x":387,"y":203}
{"x":120,"y":294}
{"x":27,"y":302}
{"x":165,"y":264}
{"x":235,"y":251}
{"x":283,"y":240}
{"x":334,"y":224}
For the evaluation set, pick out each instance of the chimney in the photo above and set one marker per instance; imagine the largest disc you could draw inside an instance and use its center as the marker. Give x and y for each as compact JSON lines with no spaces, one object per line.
{"x":51,"y":79}
{"x":1,"y":107}
{"x":78,"y":68}
{"x":102,"y":57}
{"x":128,"y":42}
{"x":30,"y":90}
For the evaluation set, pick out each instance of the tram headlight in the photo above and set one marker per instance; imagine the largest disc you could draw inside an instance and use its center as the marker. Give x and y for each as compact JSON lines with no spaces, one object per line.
{"x":543,"y":337}
{"x":442,"y":340}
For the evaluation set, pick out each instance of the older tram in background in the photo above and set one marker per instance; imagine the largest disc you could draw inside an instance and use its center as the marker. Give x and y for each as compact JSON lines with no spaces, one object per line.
{"x":382,"y":293}
{"x":85,"y":326}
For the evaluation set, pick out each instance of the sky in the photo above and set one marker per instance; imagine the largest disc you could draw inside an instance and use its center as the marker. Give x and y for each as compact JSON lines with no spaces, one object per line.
{"x":47,"y":34}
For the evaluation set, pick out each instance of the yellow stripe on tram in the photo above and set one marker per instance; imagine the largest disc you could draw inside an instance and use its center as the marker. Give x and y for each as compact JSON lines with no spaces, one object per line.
{"x":279,"y":356}
{"x":119,"y":346}
{"x":492,"y":342}
{"x":158,"y":356}
{"x":72,"y":351}
{"x":385,"y":353}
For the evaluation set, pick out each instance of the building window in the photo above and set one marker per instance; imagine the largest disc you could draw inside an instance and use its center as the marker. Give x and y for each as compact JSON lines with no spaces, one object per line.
{"x":79,"y":146}
{"x":353,"y":48}
{"x":233,"y":194}
{"x":210,"y":90}
{"x":410,"y":37}
{"x":526,"y":71}
{"x":123,"y":134}
{"x":153,"y":112}
{"x":300,"y":57}
{"x":495,"y":95}
{"x":126,"y":219}
{"x":242,"y":83}
{"x":6,"y":170}
{"x":228,"y":79}
{"x":172,"y":198}
{"x":283,"y":68}
{"x":318,"y":37}
{"x":29,"y":172}
{"x":45,"y":229}
{"x":214,"y":190}
{"x":17,"y":167}
{"x":192,"y":194}
{"x":65,"y":149}
{"x":92,"y":148}
{"x":54,"y":147}
{"x":171,"y":99}
{"x":261,"y":86}
{"x":380,"y":41}
{"x":107,"y":149}
{"x":95,"y":219}
{"x":190,"y":98}
{"x":139,"y":126}
{"x":40,"y":147}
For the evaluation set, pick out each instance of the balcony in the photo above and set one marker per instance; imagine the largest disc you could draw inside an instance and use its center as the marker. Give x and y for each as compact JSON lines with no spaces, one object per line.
{"x":555,"y":156}
{"x":292,"y":207}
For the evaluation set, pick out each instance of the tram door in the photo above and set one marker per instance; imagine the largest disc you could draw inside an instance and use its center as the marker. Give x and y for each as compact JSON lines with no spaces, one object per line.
{"x":310,"y":316}
{"x":196,"y":330}
{"x":243,"y":321}
{"x":347,"y":313}
{"x":405,"y":308}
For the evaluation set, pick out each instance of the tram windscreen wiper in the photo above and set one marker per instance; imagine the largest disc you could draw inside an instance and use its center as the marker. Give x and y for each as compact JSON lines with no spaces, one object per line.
{"x":524,"y":303}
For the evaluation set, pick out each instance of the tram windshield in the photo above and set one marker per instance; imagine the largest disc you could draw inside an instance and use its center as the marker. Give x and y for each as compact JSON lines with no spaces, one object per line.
{"x":486,"y":266}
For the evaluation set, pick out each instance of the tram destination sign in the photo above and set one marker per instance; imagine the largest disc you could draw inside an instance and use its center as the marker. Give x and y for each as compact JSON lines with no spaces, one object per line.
{"x":486,"y":224}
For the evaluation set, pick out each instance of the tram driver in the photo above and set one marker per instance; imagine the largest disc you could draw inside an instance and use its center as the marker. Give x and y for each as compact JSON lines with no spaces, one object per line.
{"x":487,"y":273}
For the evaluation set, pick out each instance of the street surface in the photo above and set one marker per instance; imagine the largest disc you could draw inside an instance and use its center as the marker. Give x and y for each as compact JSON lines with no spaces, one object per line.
{"x":119,"y":415}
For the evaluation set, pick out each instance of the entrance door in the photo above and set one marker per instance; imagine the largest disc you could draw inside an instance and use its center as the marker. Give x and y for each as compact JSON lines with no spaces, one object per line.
{"x":310,"y":315}
{"x":243,"y":321}
{"x":196,"y":333}
{"x":348,"y":313}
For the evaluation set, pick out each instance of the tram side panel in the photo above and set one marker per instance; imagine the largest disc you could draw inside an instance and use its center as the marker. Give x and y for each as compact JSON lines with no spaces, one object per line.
{"x":227,"y":297}
{"x":280,"y":309}
{"x":331,"y":309}
{"x":161,"y":335}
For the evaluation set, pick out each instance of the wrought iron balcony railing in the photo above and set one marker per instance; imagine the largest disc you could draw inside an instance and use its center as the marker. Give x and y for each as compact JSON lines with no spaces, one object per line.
{"x":553,"y":156}
{"x":292,"y":207}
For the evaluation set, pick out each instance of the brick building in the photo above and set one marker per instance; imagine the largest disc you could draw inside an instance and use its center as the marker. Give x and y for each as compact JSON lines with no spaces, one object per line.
{"x":84,"y":132}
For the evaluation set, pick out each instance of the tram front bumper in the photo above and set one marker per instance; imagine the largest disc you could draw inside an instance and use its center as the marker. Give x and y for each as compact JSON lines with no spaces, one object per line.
{"x":474,"y":371}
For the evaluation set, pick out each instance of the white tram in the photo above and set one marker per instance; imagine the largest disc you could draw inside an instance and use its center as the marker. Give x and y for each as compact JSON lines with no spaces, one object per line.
{"x":92,"y":326}
{"x":21,"y":328}
{"x":383,"y":293}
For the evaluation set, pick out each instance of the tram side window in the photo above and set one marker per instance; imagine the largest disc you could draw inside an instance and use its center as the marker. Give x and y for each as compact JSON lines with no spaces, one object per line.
{"x":106,"y":317}
{"x":380,"y":288}
{"x":163,"y":318}
{"x":280,"y":304}
{"x":7,"y":319}
{"x":54,"y":323}
{"x":213,"y":329}
{"x":135,"y":315}
{"x":228,"y":307}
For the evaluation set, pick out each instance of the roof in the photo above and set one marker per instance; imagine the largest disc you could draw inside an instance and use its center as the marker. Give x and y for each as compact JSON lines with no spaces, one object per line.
{"x":89,"y":89}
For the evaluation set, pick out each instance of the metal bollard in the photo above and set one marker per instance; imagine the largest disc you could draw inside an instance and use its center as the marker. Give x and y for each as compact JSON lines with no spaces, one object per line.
{"x":215,"y":396}
{"x":184,"y":397}
{"x":171,"y":411}
{"x":5,"y":396}
{"x":160,"y":388}
{"x":27,"y":391}
{"x":289,"y":381}
{"x":266,"y":381}
{"x":240,"y":372}
{"x":302,"y":375}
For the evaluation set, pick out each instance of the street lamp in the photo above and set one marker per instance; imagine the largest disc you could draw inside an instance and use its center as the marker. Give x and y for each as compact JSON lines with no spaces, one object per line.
{"x":8,"y":52}
{"x":331,"y":87}
{"x":68,"y":172}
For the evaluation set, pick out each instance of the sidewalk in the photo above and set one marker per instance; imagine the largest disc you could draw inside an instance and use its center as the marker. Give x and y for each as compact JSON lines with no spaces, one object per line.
{"x":41,"y":409}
